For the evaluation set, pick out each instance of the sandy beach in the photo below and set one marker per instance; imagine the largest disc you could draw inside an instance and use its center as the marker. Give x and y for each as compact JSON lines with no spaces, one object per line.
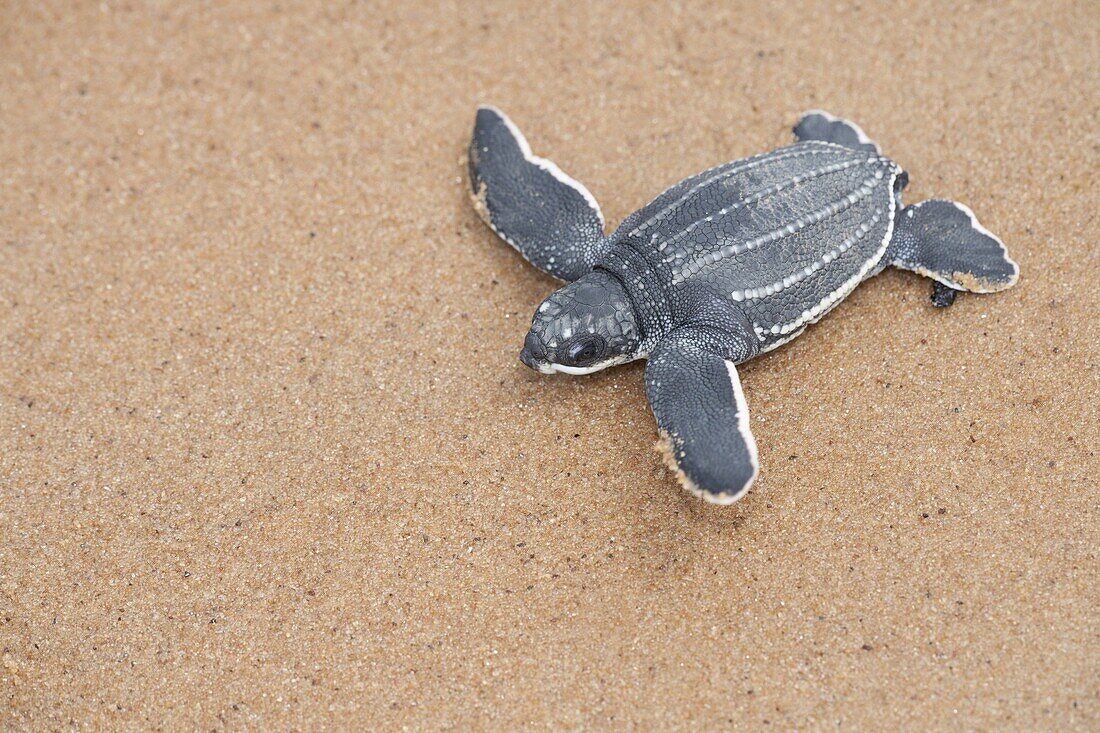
{"x":268,"y":459}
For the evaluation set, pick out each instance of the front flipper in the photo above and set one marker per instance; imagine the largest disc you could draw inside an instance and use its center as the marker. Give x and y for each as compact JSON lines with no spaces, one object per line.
{"x":549,"y":217}
{"x":819,"y":125}
{"x":701,"y":415}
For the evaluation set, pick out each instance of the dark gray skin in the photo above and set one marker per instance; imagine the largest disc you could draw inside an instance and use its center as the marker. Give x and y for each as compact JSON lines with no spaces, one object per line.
{"x":725,"y":265}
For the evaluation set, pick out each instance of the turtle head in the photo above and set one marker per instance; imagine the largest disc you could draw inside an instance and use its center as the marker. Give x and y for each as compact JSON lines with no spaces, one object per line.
{"x":585,"y":326}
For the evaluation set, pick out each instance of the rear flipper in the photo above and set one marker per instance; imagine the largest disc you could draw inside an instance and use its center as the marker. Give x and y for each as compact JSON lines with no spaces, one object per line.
{"x":943,"y":240}
{"x":820,"y":125}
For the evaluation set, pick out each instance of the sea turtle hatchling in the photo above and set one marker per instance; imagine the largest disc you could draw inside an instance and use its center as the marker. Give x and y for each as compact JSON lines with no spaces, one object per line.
{"x":721,"y":267}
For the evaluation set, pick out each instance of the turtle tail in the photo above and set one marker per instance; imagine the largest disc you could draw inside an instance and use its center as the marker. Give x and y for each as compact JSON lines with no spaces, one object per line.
{"x":943,"y":240}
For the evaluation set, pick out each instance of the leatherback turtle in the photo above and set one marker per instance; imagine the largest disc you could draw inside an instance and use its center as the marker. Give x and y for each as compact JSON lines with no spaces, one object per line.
{"x":721,"y":267}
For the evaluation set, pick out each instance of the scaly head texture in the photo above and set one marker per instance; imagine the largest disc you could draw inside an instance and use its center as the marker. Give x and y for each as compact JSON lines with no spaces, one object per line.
{"x":583,"y":327}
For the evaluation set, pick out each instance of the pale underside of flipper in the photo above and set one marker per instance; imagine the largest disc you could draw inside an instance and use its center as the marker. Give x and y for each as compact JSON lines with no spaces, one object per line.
{"x":548,"y":216}
{"x":702,"y":418}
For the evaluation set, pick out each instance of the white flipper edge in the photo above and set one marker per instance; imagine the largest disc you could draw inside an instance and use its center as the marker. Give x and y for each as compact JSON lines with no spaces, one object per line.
{"x":547,"y":165}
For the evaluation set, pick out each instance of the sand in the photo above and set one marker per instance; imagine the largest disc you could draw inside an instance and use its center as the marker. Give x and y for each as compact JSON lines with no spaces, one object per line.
{"x":268,"y":458}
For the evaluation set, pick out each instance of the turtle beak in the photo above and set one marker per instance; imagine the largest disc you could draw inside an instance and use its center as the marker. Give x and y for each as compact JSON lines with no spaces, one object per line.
{"x":533,"y":351}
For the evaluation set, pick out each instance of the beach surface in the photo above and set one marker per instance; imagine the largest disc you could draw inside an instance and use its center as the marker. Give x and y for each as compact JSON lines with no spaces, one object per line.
{"x":268,"y":459}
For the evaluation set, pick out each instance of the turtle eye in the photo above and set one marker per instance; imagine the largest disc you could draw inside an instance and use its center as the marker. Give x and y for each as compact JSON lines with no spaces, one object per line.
{"x":585,"y":350}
